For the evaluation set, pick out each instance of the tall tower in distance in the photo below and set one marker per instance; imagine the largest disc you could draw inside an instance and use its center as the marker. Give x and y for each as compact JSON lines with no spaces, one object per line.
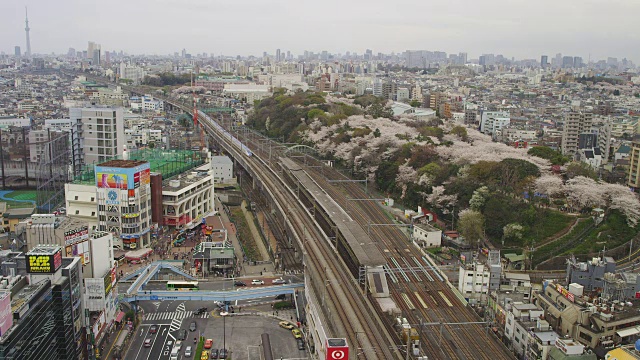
{"x":26,"y":29}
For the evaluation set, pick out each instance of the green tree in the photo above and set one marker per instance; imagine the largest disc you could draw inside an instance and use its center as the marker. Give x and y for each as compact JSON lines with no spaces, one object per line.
{"x":151,"y":145}
{"x":513,"y":231}
{"x":315,"y":113}
{"x":471,"y":226}
{"x":386,"y":176}
{"x":545,"y":152}
{"x":376,"y":133}
{"x":415,"y":103}
{"x":616,"y":92}
{"x":578,"y":168}
{"x":461,"y":132}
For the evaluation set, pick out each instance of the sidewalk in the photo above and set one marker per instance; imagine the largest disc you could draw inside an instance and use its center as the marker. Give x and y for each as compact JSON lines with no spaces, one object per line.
{"x":257,"y":237}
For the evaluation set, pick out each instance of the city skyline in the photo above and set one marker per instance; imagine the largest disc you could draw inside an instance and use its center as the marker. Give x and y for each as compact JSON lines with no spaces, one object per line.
{"x":525,"y":31}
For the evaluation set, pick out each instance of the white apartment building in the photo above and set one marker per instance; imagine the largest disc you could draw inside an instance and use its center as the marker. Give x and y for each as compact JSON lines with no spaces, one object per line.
{"x":80,"y":202}
{"x":189,"y":198}
{"x":110,"y":97}
{"x":222,"y":167}
{"x":102,"y":132}
{"x":132,"y":72}
{"x":426,"y":235}
{"x":575,"y":123}
{"x":248,"y":92}
{"x":510,"y":135}
{"x":146,"y":103}
{"x":137,"y":137}
{"x":493,"y":121}
{"x":521,"y":320}
{"x":18,"y":122}
{"x":473,"y":280}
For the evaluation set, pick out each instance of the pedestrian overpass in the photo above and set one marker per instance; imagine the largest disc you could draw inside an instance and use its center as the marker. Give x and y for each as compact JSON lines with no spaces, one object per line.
{"x":232,"y":295}
{"x":145,"y":274}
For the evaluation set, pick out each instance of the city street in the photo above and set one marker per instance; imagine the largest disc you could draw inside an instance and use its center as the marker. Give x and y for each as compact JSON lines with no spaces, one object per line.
{"x":240,"y":334}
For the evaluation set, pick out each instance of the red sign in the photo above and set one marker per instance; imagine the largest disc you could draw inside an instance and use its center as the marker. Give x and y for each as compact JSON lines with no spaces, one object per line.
{"x":338,"y":353}
{"x":637,"y":294}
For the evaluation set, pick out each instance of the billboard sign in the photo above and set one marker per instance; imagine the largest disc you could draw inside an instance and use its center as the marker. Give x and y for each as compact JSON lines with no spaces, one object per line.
{"x":6,"y":316}
{"x":123,"y":178}
{"x":111,"y":181}
{"x":76,"y":235}
{"x":80,"y":250}
{"x":44,"y":264}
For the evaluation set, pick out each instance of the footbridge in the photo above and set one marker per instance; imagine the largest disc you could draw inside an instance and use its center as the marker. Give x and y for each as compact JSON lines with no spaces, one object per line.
{"x":233,"y":295}
{"x":148,"y":273}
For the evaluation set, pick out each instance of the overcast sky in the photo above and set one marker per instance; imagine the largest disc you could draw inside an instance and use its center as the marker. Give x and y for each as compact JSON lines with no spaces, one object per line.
{"x":524,"y":29}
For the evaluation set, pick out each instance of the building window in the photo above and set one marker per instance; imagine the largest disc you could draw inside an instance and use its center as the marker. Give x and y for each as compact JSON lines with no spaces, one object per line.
{"x":77,"y":212}
{"x":93,"y":199}
{"x":93,"y":213}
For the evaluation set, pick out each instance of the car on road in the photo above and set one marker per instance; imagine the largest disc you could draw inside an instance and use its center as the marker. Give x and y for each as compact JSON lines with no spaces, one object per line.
{"x":182,"y":334}
{"x":278,"y":281}
{"x":300,"y":344}
{"x":193,"y":326}
{"x":178,"y":345}
{"x":296,"y":333}
{"x":281,"y":297}
{"x":222,"y":354}
{"x":153,"y":329}
{"x":286,"y":325}
{"x":147,"y":343}
{"x":257,"y":282}
{"x":200,"y":311}
{"x":214,"y":353}
{"x":208,"y":343}
{"x":187,"y":351}
{"x":204,"y":355}
{"x":239,"y":283}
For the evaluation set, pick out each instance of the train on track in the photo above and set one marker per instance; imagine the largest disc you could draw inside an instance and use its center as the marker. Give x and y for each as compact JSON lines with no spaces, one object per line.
{"x":211,"y":123}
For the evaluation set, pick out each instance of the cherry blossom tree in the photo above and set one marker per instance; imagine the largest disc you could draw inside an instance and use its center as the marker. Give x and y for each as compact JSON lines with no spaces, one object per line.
{"x":551,"y":185}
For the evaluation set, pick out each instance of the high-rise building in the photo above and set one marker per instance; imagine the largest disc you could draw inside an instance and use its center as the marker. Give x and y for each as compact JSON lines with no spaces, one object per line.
{"x":26,"y":29}
{"x":462,"y":58}
{"x":91,"y":46}
{"x":575,"y":123}
{"x":124,"y":201}
{"x":278,"y":55}
{"x":102,"y":132}
{"x":71,"y":52}
{"x":567,"y":62}
{"x":544,"y":61}
{"x":577,"y":61}
{"x":634,"y":164}
{"x":16,"y":51}
{"x":44,"y":311}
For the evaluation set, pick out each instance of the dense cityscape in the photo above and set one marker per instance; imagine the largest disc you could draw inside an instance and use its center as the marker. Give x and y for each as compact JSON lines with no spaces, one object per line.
{"x":318,"y":204}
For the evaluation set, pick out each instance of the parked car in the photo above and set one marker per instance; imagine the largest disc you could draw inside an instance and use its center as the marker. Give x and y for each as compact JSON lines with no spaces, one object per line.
{"x":239,"y":283}
{"x":153,"y":329}
{"x":208,"y":343}
{"x":200,"y":311}
{"x":147,"y":343}
{"x":300,"y":344}
{"x":281,"y":297}
{"x":222,"y":354}
{"x":278,"y":281}
{"x":214,"y":353}
{"x":257,"y":282}
{"x":192,"y":326}
{"x":296,"y":333}
{"x":187,"y":351}
{"x":286,"y":325}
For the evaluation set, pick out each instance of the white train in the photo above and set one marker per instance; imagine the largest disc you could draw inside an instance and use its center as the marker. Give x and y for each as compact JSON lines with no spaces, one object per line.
{"x":209,"y":122}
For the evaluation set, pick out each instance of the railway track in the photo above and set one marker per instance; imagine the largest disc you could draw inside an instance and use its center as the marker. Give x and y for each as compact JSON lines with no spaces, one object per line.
{"x":462,"y":341}
{"x":359,"y":326}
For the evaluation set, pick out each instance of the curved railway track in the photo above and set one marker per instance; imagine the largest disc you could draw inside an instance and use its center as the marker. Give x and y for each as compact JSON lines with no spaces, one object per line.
{"x":341,"y":288}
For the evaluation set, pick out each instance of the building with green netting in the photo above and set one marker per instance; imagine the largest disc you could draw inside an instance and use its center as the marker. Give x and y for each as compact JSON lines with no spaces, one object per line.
{"x":169,"y":163}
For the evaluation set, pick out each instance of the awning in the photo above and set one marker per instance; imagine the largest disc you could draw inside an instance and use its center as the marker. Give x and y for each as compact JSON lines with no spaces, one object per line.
{"x":628,"y":331}
{"x":120,"y":316}
{"x":138,"y":254}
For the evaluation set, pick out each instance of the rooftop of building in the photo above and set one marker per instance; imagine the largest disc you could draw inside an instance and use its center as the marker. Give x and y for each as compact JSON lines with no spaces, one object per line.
{"x":43,"y":249}
{"x":169,"y":163}
{"x":119,"y":163}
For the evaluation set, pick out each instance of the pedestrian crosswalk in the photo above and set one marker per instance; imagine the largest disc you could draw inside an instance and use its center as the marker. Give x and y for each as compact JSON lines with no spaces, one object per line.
{"x":175,"y":315}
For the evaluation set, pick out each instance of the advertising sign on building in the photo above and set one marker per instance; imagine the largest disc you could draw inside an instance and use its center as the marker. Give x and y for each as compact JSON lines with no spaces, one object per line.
{"x":80,"y":250}
{"x":94,"y":294}
{"x":44,"y":264}
{"x":123,"y":178}
{"x":111,"y":181}
{"x":6,"y":316}
{"x":76,"y":235}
